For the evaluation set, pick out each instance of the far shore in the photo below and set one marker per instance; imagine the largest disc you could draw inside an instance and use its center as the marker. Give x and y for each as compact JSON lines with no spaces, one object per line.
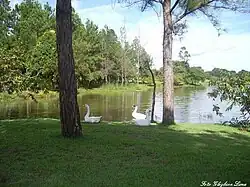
{"x":105,"y":90}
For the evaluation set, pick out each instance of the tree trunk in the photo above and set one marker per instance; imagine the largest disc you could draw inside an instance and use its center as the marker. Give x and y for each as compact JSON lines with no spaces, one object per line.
{"x":118,"y":80}
{"x":106,"y":72}
{"x":106,"y":79}
{"x":69,"y":110}
{"x":153,"y":97}
{"x":122,"y":75}
{"x":125,"y":69}
{"x":168,"y":77}
{"x":125,"y":77}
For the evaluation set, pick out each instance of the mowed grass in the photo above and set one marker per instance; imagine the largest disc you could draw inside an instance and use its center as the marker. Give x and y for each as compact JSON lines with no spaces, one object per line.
{"x":33,"y":153}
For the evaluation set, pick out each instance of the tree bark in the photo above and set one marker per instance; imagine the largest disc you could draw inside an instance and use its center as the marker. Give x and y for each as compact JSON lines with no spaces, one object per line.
{"x":69,"y":110}
{"x":168,"y":77}
{"x":153,"y":97}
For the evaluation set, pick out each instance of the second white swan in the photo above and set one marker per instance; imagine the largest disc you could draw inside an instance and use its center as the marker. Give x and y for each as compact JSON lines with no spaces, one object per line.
{"x":91,"y":119}
{"x":137,"y":115}
{"x":143,"y":122}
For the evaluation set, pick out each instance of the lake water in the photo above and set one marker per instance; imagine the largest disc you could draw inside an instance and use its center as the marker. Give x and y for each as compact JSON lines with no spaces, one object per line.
{"x":191,"y":105}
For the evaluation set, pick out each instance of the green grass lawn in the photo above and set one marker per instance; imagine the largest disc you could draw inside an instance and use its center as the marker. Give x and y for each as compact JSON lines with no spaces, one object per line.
{"x":33,"y":153}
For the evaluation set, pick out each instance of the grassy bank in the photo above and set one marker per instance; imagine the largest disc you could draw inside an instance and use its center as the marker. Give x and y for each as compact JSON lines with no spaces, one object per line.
{"x":34,"y":154}
{"x":106,"y":89}
{"x":114,"y":89}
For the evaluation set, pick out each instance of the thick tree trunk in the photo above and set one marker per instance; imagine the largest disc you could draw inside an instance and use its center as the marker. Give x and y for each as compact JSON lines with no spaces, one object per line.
{"x":168,"y":80}
{"x":69,"y":110}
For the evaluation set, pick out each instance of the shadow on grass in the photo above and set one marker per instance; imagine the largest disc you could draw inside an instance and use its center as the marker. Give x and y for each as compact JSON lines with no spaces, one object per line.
{"x":33,"y":154}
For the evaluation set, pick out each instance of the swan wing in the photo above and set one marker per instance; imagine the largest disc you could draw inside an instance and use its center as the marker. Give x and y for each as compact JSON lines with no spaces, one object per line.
{"x":139,"y":116}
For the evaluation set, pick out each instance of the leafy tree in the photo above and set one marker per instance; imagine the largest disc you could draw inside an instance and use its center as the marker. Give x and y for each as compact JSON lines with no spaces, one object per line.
{"x":6,"y":22}
{"x":181,"y":69}
{"x":87,"y":47}
{"x":141,"y":58}
{"x":196,"y":75}
{"x":131,"y":64}
{"x":236,"y":90}
{"x":42,"y":67}
{"x":173,"y":24}
{"x":11,"y":65}
{"x":111,"y":51}
{"x":184,"y":54}
{"x":28,"y":51}
{"x":32,"y":21}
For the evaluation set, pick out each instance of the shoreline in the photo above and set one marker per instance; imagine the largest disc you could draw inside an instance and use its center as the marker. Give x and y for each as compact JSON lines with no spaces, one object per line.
{"x":106,"y":89}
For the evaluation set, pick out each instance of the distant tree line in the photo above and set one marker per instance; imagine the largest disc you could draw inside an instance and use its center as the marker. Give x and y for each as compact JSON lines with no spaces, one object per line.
{"x":185,"y":75}
{"x":28,"y":58}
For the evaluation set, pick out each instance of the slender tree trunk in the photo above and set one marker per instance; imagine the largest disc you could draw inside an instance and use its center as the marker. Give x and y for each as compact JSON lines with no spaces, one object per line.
{"x":106,"y":79}
{"x":125,"y":69}
{"x":122,"y":73}
{"x":125,"y":77}
{"x":69,"y":110}
{"x":153,"y":97}
{"x":168,"y":77}
{"x":106,"y":72}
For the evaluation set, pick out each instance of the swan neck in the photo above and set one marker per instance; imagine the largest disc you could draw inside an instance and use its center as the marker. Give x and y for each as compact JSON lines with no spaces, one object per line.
{"x":135,"y":110}
{"x":87,"y":114}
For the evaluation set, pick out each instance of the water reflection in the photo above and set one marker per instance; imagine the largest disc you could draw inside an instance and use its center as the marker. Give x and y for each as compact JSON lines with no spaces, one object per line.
{"x":191,"y":105}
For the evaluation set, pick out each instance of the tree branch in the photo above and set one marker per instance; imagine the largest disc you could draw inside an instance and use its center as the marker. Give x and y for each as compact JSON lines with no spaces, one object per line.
{"x":173,"y":7}
{"x":191,"y":11}
{"x":233,"y":8}
{"x":215,"y":22}
{"x":157,"y":13}
{"x":144,"y":3}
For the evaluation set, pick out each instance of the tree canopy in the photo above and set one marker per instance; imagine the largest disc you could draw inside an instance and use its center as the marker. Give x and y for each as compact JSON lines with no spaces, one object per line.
{"x":28,"y":51}
{"x":235,"y":89}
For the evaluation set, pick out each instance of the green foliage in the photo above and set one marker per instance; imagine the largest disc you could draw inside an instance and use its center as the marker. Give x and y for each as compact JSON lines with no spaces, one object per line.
{"x":41,"y":65}
{"x":184,"y":74}
{"x":196,"y":76}
{"x":32,"y":21}
{"x":6,"y":21}
{"x":28,"y":51}
{"x":236,"y":90}
{"x":11,"y":65}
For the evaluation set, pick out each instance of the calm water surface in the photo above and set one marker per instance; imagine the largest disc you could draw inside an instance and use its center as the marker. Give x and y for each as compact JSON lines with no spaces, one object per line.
{"x":191,"y":105}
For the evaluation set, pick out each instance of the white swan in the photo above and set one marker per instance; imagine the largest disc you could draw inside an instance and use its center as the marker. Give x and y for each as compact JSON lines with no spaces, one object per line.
{"x":92,"y":119}
{"x":137,"y":115}
{"x":143,"y":122}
